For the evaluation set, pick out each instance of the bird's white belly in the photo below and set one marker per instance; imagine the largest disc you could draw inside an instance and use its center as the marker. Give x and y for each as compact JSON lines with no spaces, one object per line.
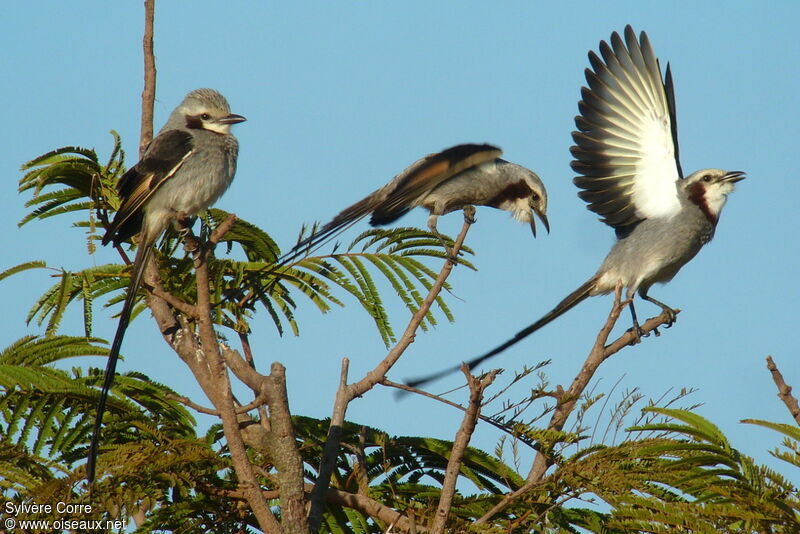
{"x":189,"y":192}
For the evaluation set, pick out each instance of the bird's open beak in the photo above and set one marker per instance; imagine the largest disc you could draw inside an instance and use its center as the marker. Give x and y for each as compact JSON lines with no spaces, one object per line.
{"x":734,"y":176}
{"x":233,"y":118}
{"x":544,"y":220}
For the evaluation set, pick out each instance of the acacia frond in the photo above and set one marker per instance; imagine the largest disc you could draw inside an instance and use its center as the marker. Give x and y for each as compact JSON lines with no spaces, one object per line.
{"x":85,"y":183}
{"x":396,"y":255}
{"x":87,"y":285}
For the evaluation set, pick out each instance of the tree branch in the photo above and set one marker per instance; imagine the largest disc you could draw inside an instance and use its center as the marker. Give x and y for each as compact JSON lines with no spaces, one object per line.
{"x":205,"y":362}
{"x":476,"y":388}
{"x":186,"y":401}
{"x":222,"y":229}
{"x":219,"y":389}
{"x":183,"y":307}
{"x":569,"y":399}
{"x":362,"y":503}
{"x":372,"y":508}
{"x":331,"y":449}
{"x":258,"y":402}
{"x":411,"y":389}
{"x":379,"y":372}
{"x":346,"y":393}
{"x":149,"y":91}
{"x":784,"y":390}
{"x":280,"y":440}
{"x":251,"y":378}
{"x":248,"y":354}
{"x":285,"y":455}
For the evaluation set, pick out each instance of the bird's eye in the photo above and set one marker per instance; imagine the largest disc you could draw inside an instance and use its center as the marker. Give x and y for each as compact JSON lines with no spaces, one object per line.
{"x":535,"y":197}
{"x":205,"y":116}
{"x":707,"y":178}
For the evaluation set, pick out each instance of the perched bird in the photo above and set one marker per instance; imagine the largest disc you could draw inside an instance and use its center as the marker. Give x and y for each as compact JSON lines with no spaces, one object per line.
{"x":184,"y":170}
{"x":460,"y":176}
{"x":626,"y":152}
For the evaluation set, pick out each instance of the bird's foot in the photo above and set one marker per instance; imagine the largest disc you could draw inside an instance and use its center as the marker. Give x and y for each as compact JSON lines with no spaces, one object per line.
{"x":191,"y":244}
{"x":451,"y":256}
{"x":672,"y":316}
{"x":469,"y":214}
{"x":671,"y":313}
{"x":638,"y":333}
{"x":183,"y":224}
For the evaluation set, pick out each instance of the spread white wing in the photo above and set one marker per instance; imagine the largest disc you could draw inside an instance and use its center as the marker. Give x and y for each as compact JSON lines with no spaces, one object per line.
{"x":626,"y":149}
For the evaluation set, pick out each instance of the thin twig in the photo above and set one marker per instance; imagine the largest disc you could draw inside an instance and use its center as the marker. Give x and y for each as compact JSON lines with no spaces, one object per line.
{"x":183,"y":307}
{"x":485,"y":418}
{"x":258,"y":402}
{"x":464,"y":434}
{"x":149,"y":91}
{"x":784,"y":390}
{"x":168,"y":324}
{"x":186,"y":401}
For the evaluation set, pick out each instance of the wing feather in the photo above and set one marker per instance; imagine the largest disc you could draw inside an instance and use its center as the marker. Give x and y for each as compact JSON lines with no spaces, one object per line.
{"x":427,"y":174}
{"x":625,"y":145}
{"x":400,"y":194}
{"x":164,"y":156}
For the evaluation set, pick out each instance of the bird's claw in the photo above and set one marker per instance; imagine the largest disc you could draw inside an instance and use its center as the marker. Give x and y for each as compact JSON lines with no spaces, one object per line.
{"x":671,"y":317}
{"x":451,"y":257}
{"x":469,"y":214}
{"x":184,"y":223}
{"x":638,"y":333}
{"x":191,"y":244}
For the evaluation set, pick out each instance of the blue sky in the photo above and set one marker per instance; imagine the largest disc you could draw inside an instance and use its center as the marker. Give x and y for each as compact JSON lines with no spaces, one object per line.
{"x":341,"y":96}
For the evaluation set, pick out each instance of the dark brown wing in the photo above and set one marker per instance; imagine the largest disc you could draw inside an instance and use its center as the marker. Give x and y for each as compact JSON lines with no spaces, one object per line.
{"x":428,"y":173}
{"x":165,"y":155}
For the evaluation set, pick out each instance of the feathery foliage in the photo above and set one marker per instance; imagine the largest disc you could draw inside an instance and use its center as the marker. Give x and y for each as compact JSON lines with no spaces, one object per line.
{"x":72,"y":180}
{"x":672,"y":471}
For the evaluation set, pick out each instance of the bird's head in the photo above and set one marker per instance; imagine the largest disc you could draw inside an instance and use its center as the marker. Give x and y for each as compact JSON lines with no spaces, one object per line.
{"x":537,"y":200}
{"x":709,"y":189}
{"x":523,"y":194}
{"x":206,"y":109}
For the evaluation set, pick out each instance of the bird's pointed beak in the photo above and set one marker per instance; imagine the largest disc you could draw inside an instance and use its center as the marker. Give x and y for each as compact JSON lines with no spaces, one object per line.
{"x":233,"y":118}
{"x":734,"y":176}
{"x":544,"y":220}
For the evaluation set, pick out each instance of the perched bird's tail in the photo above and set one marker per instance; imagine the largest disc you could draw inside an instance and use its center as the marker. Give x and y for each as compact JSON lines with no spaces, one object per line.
{"x":396,"y":198}
{"x":571,"y":300}
{"x":344,"y":220}
{"x":142,"y":254}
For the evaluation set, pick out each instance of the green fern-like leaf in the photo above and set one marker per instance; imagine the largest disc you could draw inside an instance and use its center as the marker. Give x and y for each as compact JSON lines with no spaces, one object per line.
{"x":69,"y":180}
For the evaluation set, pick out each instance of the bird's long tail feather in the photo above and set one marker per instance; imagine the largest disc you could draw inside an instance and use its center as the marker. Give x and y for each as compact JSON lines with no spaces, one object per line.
{"x":569,"y":302}
{"x":139,"y":263}
{"x":324,"y":235}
